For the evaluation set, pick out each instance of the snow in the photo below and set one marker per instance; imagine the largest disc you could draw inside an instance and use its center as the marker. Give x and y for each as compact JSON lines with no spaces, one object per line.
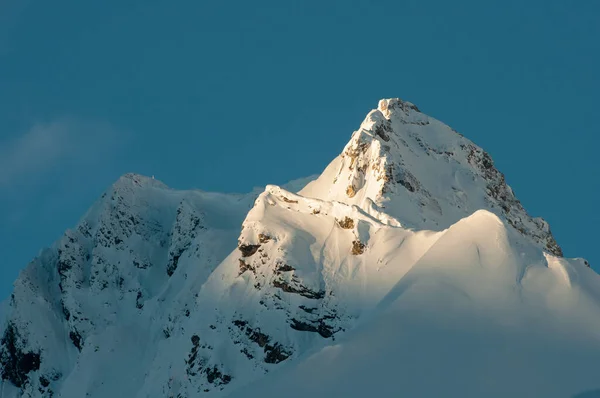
{"x":408,"y":267}
{"x":471,"y":318}
{"x":4,"y":308}
{"x":421,"y":172}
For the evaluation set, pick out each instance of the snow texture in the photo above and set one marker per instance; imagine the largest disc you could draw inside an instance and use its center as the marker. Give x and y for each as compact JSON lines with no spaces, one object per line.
{"x":408,"y":267}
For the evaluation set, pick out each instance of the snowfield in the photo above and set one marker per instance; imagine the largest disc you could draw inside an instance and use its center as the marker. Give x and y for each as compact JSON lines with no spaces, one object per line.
{"x":407,"y":268}
{"x":473,"y":317}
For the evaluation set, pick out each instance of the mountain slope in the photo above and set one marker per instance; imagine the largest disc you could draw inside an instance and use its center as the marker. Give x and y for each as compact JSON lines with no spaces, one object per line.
{"x":480,"y":314}
{"x":409,"y":249}
{"x":423,"y":173}
{"x":104,"y":283}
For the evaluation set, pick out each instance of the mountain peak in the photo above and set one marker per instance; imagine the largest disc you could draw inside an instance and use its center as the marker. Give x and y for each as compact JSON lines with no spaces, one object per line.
{"x":138,"y":180}
{"x":158,"y":292}
{"x":386,"y":106}
{"x":423,"y":173}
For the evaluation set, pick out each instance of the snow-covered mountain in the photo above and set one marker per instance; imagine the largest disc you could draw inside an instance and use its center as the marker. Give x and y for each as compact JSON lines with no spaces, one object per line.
{"x":407,"y":267}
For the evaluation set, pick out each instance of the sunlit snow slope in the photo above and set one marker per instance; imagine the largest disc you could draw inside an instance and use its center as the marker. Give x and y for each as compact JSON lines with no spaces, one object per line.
{"x":478,"y":315}
{"x":408,"y":267}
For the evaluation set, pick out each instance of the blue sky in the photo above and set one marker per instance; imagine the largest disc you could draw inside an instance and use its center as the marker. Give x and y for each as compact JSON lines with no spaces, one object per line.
{"x":191,"y":91}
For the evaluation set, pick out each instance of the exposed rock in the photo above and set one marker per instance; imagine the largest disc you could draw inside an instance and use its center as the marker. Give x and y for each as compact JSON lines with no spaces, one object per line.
{"x":44,"y":382}
{"x":299,"y":289}
{"x":274,"y":353}
{"x":386,"y":105}
{"x":173,"y":262}
{"x":501,"y":194}
{"x":245,"y":267}
{"x":306,"y":309}
{"x":139,"y":304}
{"x":350,"y":191}
{"x":76,"y":339}
{"x":324,"y":330}
{"x":346,"y":223}
{"x":187,"y":225}
{"x":197,"y":365}
{"x":247,"y":353}
{"x":254,"y":335}
{"x":16,"y":362}
{"x":358,"y":247}
{"x":215,"y":376}
{"x":406,"y":179}
{"x":383,"y":129}
{"x":284,"y":268}
{"x":264,"y":238}
{"x":248,"y":250}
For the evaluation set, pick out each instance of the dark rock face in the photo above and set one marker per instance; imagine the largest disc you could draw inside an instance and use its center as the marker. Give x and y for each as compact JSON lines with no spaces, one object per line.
{"x":298,"y":289}
{"x":76,"y":339}
{"x":245,"y":267}
{"x":198,"y":365}
{"x":500,"y":194}
{"x":16,"y":362}
{"x":284,"y":268}
{"x":248,"y":250}
{"x":402,"y":176}
{"x":173,"y":262}
{"x":214,"y":376}
{"x":191,"y":361}
{"x":139,"y":303}
{"x":319,"y":326}
{"x":274,"y":353}
{"x":44,"y":382}
{"x":383,"y":130}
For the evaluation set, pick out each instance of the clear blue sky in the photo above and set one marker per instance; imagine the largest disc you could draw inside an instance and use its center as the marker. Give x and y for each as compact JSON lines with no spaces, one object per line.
{"x":191,"y":91}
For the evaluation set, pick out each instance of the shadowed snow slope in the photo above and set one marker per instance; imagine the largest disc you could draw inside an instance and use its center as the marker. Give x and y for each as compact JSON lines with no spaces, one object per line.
{"x":408,"y":267}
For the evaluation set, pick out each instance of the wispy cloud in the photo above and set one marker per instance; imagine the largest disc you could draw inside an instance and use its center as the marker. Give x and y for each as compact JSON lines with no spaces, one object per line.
{"x":45,"y":147}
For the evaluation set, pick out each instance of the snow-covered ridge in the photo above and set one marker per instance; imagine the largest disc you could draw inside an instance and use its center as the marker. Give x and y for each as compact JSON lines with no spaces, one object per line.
{"x":159,"y":292}
{"x":423,"y":173}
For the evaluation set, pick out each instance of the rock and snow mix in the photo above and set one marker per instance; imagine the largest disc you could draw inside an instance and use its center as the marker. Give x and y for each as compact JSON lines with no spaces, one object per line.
{"x":407,"y":267}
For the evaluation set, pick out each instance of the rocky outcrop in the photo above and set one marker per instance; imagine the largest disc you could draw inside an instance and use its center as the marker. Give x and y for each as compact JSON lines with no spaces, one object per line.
{"x":346,"y":223}
{"x":274,"y":352}
{"x":358,"y":247}
{"x":502,"y":196}
{"x":198,"y":365}
{"x":187,"y":224}
{"x":248,"y":250}
{"x":15,"y":359}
